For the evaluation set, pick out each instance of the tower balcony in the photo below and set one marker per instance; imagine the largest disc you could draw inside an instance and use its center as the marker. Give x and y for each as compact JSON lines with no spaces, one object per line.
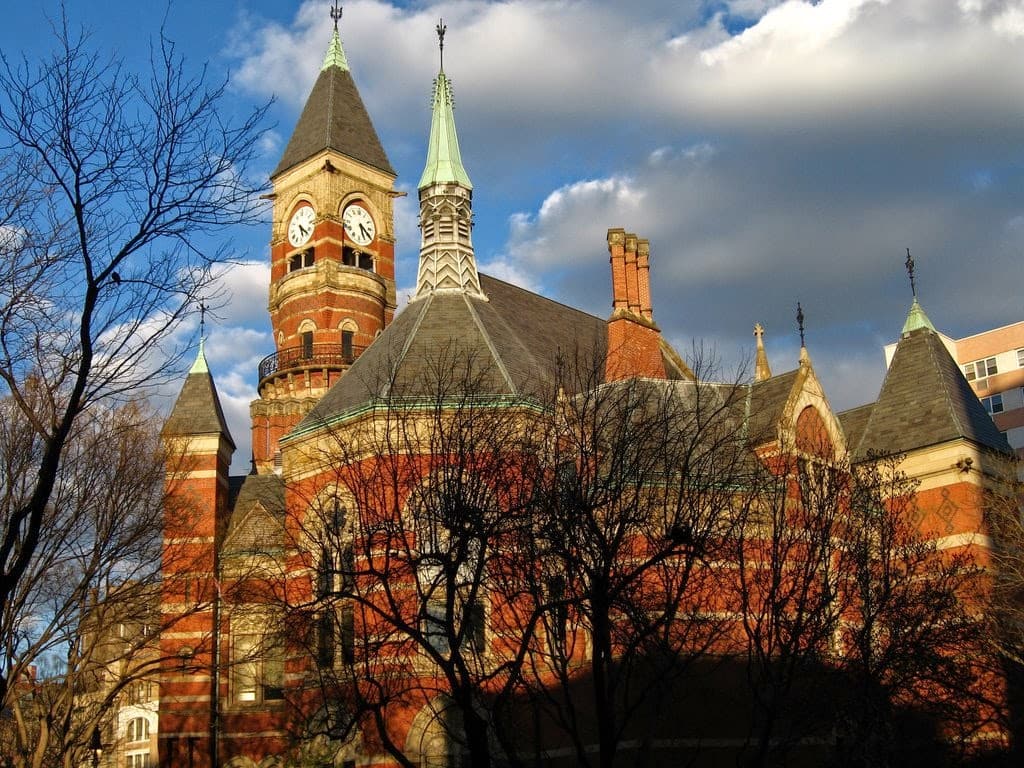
{"x":308,"y":357}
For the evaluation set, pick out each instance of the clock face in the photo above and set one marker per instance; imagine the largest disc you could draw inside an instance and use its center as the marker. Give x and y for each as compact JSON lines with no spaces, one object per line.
{"x":358,"y":225}
{"x":300,"y":228}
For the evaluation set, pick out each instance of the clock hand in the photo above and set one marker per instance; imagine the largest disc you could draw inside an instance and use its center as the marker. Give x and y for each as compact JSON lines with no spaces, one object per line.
{"x":364,"y":231}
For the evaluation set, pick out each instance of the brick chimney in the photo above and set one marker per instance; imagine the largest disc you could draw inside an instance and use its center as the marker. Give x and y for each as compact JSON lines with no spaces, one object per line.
{"x":634,"y":341}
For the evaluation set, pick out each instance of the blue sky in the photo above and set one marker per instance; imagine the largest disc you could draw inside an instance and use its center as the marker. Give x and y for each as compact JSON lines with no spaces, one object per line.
{"x":771,"y":151}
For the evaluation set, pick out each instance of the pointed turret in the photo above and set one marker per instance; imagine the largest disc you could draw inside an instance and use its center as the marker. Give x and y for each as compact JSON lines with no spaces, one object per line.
{"x":197,"y":410}
{"x":762,"y":371}
{"x":198,"y":453}
{"x":334,"y":118}
{"x":925,"y":400}
{"x":805,"y":359}
{"x":447,"y":261}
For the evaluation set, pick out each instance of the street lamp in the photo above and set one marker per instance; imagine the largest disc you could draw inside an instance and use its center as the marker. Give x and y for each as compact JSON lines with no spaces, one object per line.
{"x":96,"y":747}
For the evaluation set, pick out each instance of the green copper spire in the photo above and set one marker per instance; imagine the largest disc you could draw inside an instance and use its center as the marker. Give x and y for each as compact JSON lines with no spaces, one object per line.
{"x":200,"y":366}
{"x":444,"y":161}
{"x":917,"y":319}
{"x":335,"y":54}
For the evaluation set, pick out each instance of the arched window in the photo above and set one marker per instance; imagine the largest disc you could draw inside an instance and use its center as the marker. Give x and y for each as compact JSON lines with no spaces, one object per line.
{"x":446,"y":516}
{"x":330,"y":528}
{"x":348,"y":335}
{"x":306,"y":329}
{"x":257,"y":664}
{"x":812,"y":435}
{"x":138,"y":729}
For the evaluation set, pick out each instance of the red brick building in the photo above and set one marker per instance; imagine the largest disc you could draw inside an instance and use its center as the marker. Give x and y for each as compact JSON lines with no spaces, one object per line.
{"x":281,"y":596}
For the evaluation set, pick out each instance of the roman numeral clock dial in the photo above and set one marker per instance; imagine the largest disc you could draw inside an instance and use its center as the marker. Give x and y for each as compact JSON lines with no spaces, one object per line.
{"x":300,"y":228}
{"x":358,"y":225}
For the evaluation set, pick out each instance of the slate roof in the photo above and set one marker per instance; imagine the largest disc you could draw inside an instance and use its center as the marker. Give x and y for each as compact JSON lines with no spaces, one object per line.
{"x":925,"y":400}
{"x":767,"y":399}
{"x":334,"y":118}
{"x":197,"y":410}
{"x":513,"y":339}
{"x":249,"y":529}
{"x":853,"y":423}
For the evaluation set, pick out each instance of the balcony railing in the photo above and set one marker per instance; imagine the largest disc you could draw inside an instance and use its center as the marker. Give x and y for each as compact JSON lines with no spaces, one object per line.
{"x":323,"y":355}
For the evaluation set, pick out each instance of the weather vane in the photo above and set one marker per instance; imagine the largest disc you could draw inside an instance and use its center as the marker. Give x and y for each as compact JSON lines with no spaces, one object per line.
{"x":910,"y":271}
{"x":202,"y":319}
{"x":441,"y":29}
{"x":336,"y":14}
{"x":800,"y":322}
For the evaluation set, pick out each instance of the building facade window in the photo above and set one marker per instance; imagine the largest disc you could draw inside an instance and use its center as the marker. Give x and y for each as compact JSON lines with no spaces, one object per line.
{"x":138,"y":760}
{"x":301,"y":260}
{"x":993,"y":404}
{"x":138,"y":729}
{"x":307,"y":344}
{"x":347,"y":338}
{"x":1020,"y":357}
{"x":257,"y":669}
{"x":981,"y":369}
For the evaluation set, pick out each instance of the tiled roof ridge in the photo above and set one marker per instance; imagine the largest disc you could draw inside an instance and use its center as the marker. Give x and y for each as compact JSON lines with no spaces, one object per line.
{"x":548,"y":299}
{"x":490,"y":344}
{"x":946,"y":392}
{"x":424,"y":306}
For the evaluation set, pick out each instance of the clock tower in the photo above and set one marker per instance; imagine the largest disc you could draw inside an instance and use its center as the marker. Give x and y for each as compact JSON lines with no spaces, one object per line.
{"x":332,"y":253}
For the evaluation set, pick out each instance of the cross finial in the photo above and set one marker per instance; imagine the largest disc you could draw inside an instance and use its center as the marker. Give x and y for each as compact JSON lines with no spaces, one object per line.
{"x":800,"y":323}
{"x":910,"y":271}
{"x":441,"y":29}
{"x":759,"y":332}
{"x":336,"y":14}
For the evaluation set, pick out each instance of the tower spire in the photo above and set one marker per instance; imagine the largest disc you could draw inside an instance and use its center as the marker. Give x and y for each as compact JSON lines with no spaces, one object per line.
{"x":916,"y":317}
{"x":335,"y":53}
{"x":447,"y":260}
{"x":441,"y":29}
{"x":804,"y":357}
{"x":200,"y":365}
{"x":910,"y":271}
{"x":762,"y":370}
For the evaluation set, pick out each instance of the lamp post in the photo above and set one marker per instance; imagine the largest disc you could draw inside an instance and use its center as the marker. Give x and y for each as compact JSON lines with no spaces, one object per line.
{"x":96,"y":747}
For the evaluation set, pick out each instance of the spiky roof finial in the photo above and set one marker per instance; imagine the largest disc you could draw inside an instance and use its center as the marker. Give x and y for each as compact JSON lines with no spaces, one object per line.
{"x":441,"y":29}
{"x":444,"y":160}
{"x":910,"y":271}
{"x":335,"y":53}
{"x":916,"y":317}
{"x":762,"y":370}
{"x":200,"y":365}
{"x":800,"y":323}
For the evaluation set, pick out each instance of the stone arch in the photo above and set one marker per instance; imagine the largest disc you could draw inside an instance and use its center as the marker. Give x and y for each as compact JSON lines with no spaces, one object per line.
{"x":307,"y":325}
{"x":299,"y":198}
{"x":435,"y":737}
{"x":365,"y":202}
{"x":812,"y":435}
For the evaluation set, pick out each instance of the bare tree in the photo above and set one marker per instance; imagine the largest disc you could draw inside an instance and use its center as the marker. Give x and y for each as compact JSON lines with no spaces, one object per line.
{"x":648,"y":483}
{"x":412,"y":533}
{"x":914,"y":636}
{"x":113,"y":185}
{"x":85,"y":610}
{"x":786,"y":590}
{"x":1005,"y":524}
